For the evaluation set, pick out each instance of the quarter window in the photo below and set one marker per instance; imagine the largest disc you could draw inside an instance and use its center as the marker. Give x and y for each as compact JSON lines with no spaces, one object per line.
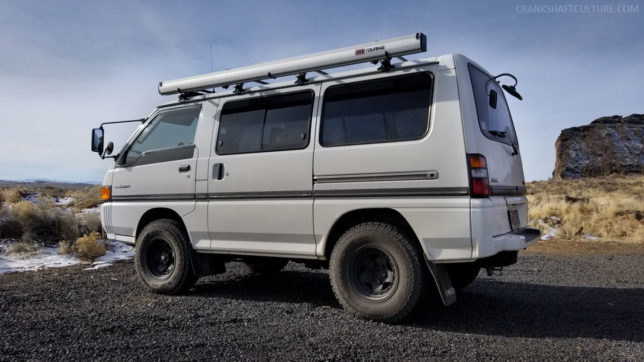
{"x":492,"y":110}
{"x":169,"y":129}
{"x":387,"y":110}
{"x":274,"y":123}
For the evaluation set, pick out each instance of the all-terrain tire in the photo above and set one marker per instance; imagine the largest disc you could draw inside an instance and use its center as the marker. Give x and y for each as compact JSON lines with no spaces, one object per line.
{"x":162,"y":258}
{"x":463,"y":274}
{"x":377,"y":272}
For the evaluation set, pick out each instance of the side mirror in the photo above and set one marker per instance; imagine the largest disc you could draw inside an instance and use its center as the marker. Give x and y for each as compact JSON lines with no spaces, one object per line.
{"x":97,"y":141}
{"x":109,"y":148}
{"x":513,"y":91}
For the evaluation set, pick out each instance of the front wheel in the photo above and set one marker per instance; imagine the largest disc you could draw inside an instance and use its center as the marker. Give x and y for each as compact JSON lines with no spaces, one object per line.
{"x":377,"y":272}
{"x":162,"y":258}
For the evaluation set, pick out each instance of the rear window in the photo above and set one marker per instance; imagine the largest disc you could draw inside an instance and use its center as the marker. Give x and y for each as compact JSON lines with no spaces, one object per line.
{"x":386,"y":110}
{"x":492,"y":110}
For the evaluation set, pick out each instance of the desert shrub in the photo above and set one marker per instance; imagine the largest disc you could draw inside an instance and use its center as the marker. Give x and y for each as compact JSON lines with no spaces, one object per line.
{"x":66,"y":247}
{"x":11,"y":195}
{"x":44,"y":222}
{"x":10,"y":227}
{"x":89,"y":247}
{"x":89,"y":222}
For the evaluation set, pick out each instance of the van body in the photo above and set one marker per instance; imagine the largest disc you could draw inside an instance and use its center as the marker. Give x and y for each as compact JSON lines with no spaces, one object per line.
{"x":419,"y":153}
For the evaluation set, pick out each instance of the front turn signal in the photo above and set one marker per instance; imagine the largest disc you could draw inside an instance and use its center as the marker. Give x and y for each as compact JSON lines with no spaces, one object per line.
{"x":106,"y":192}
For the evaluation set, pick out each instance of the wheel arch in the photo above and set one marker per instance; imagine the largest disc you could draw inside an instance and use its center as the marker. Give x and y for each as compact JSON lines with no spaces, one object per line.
{"x":354,"y":217}
{"x":157,"y":214}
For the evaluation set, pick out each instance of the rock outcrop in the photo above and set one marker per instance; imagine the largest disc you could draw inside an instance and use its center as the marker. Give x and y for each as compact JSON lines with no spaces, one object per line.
{"x":608,"y":145}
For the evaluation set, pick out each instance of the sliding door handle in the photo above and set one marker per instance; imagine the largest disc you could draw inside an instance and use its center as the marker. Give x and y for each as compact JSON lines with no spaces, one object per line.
{"x":184,"y":168}
{"x":218,"y":171}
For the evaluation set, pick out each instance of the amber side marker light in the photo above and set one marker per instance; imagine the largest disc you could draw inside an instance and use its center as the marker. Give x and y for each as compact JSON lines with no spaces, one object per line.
{"x":106,"y":192}
{"x":479,"y":176}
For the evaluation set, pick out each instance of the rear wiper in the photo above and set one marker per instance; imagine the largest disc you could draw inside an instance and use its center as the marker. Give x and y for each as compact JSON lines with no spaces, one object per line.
{"x":497,"y":133}
{"x":502,"y":134}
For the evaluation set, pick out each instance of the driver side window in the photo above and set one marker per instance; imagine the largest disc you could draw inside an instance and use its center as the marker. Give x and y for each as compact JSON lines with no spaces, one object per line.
{"x":169,"y":129}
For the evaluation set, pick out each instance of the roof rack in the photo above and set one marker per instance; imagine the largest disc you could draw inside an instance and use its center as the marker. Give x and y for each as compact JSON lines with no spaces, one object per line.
{"x":378,"y":51}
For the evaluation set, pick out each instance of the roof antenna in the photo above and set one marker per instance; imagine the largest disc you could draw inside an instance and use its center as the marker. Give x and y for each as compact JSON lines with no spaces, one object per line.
{"x":212,"y":68}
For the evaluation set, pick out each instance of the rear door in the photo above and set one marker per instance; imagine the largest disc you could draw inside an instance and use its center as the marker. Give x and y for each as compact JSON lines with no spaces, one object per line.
{"x":491,"y":133}
{"x":260,"y":176}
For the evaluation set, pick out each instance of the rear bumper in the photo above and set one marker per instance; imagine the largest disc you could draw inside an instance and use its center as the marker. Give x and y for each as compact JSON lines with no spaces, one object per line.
{"x":512,"y":241}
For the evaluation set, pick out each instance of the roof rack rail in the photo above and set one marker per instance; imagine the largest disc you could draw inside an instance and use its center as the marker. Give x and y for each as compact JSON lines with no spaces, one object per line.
{"x":378,"y":51}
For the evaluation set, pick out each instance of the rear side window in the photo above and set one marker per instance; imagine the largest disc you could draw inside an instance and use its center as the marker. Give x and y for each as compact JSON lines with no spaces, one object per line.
{"x":274,"y":123}
{"x":386,"y":110}
{"x":169,"y":129}
{"x":492,"y":110}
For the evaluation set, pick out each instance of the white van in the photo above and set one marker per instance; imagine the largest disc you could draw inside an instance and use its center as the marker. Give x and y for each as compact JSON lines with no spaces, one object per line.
{"x":395,"y":177}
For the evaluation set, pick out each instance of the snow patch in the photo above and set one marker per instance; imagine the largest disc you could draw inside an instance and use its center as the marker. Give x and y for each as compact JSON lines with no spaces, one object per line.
{"x":551,"y":230}
{"x":120,"y":251}
{"x":48,"y":258}
{"x":64,"y":201}
{"x":31,"y":197}
{"x":587,"y":236}
{"x":43,"y":258}
{"x":93,"y":210}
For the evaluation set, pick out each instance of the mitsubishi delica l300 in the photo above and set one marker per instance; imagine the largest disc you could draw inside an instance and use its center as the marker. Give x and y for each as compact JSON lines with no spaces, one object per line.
{"x":402,"y":178}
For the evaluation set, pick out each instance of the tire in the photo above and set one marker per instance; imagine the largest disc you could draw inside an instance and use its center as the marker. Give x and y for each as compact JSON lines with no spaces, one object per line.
{"x":377,"y":272}
{"x":265,"y":265}
{"x":162,"y":258}
{"x":462,"y":275}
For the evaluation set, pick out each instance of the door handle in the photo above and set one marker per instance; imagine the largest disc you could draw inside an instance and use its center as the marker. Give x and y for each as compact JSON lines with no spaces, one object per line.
{"x":218,"y":171}
{"x":184,"y":168}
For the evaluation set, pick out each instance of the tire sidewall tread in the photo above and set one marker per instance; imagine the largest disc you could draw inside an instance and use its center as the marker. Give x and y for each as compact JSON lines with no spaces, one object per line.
{"x":182,"y":277}
{"x":411,"y":274}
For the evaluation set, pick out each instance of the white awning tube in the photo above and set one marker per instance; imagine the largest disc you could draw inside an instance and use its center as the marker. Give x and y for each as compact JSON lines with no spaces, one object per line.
{"x":410,"y":44}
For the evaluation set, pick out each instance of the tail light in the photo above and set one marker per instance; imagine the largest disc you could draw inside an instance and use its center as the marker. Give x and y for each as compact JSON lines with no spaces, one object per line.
{"x":478,"y":176}
{"x":106,"y":192}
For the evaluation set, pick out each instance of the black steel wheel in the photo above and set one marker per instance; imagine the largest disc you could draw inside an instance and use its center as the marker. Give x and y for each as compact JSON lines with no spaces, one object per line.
{"x":377,"y":272}
{"x":373,"y":274}
{"x":162,"y":258}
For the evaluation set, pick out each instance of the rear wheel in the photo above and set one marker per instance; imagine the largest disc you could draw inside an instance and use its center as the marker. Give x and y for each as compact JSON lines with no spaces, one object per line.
{"x":377,"y":272}
{"x":162,"y":258}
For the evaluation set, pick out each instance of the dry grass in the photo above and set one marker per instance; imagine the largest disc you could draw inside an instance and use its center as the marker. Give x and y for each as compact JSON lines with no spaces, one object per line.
{"x":37,"y":222}
{"x":22,"y":248}
{"x":86,"y":198}
{"x":610,"y":207}
{"x":11,"y":195}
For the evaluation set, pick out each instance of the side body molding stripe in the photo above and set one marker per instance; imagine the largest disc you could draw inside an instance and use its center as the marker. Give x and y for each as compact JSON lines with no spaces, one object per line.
{"x":403,"y":192}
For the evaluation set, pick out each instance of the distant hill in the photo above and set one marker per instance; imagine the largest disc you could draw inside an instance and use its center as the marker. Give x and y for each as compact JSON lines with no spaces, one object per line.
{"x":47,"y":183}
{"x":608,"y":145}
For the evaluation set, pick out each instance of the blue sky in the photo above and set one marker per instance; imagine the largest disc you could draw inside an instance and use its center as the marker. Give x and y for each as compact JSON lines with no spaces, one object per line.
{"x":67,"y":66}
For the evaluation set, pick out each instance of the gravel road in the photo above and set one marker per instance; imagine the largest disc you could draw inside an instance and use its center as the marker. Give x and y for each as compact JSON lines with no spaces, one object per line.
{"x":547,"y":307}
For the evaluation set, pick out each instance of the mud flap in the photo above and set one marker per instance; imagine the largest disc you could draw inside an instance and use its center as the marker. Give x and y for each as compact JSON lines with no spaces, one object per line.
{"x":443,"y":283}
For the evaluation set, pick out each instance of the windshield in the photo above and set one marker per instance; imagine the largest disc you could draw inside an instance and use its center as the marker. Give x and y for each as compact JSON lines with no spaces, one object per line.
{"x":492,"y":110}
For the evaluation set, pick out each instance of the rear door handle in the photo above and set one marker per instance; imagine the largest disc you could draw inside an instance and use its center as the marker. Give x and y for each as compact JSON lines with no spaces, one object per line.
{"x":218,"y":171}
{"x":184,"y":168}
